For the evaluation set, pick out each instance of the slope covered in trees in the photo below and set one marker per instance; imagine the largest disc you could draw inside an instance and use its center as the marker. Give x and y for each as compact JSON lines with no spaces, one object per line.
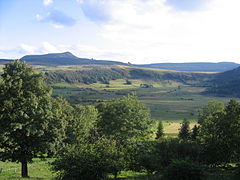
{"x":226,"y":83}
{"x":104,"y":75}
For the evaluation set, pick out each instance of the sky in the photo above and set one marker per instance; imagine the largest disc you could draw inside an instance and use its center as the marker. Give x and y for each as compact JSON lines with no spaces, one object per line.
{"x":136,"y":31}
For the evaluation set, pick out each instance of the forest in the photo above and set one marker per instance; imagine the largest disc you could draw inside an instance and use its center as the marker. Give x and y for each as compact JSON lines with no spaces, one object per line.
{"x":105,"y":139}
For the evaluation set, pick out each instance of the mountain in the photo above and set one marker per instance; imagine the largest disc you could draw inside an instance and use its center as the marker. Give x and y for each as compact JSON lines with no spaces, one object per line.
{"x":194,"y":67}
{"x":226,"y":83}
{"x":66,"y":58}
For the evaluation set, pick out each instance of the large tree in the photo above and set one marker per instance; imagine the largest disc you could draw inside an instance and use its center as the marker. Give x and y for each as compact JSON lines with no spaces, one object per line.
{"x":26,"y":119}
{"x":124,"y":119}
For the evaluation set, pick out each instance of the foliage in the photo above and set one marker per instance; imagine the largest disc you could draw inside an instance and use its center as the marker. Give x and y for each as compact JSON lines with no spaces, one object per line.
{"x":25,"y":114}
{"x":168,"y":150}
{"x":184,"y":131}
{"x":195,"y":133}
{"x":90,"y":161}
{"x":219,"y":135}
{"x":94,"y":75}
{"x":154,"y":156}
{"x":160,"y":132}
{"x":213,"y":107}
{"x":82,"y":124}
{"x":184,"y":170}
{"x":124,"y":118}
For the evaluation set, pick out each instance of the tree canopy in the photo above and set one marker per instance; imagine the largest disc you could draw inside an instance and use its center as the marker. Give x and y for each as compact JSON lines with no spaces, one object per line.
{"x":25,"y":114}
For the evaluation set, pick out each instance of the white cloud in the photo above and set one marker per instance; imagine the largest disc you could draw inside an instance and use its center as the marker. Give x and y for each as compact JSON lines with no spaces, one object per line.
{"x":49,"y":48}
{"x":27,"y":48}
{"x":47,"y":2}
{"x":147,"y":31}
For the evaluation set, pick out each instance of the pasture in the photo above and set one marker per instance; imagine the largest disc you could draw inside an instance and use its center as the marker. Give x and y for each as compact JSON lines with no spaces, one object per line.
{"x":167,"y":101}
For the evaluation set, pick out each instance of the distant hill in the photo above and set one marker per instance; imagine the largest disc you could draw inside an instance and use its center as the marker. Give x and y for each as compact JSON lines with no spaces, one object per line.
{"x":3,"y":61}
{"x":226,"y":83}
{"x":66,"y":58}
{"x":194,"y":67}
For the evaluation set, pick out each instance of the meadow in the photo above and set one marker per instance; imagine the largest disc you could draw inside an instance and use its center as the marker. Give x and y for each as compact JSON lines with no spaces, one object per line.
{"x":167,"y":101}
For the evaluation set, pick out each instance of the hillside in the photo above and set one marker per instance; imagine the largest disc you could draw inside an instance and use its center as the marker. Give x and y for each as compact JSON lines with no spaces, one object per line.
{"x":103,"y":74}
{"x":226,"y":83}
{"x":194,"y":67}
{"x":66,"y":58}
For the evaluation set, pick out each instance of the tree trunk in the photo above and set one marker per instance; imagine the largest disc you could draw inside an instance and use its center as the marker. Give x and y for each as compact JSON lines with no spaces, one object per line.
{"x":24,"y":169}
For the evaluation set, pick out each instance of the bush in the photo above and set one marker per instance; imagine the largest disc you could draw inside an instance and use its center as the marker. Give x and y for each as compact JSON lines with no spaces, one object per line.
{"x":168,"y":150}
{"x":184,"y":170}
{"x":89,"y":161}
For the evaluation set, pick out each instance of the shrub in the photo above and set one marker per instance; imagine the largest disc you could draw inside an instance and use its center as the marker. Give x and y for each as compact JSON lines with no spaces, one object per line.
{"x":184,"y":170}
{"x":89,"y":161}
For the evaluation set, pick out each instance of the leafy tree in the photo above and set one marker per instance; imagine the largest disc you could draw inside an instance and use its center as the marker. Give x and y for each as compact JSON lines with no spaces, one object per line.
{"x":25,"y":114}
{"x":82,"y":124}
{"x":212,"y":108}
{"x":219,"y":135}
{"x":124,"y":119}
{"x":63,"y":112}
{"x":184,"y":132}
{"x":160,"y":132}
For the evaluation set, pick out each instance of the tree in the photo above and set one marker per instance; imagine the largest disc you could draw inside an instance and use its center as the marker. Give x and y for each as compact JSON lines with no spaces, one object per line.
{"x":184,"y":132}
{"x":160,"y":132}
{"x":212,"y":108}
{"x":195,"y":132}
{"x":124,"y":118}
{"x":25,"y":114}
{"x":82,"y":124}
{"x":219,"y":134}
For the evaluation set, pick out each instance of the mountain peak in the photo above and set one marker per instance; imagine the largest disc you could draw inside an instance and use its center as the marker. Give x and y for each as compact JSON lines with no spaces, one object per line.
{"x":62,"y":55}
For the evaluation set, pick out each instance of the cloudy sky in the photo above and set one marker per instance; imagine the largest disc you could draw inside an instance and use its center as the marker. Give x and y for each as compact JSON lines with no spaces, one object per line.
{"x":136,"y":31}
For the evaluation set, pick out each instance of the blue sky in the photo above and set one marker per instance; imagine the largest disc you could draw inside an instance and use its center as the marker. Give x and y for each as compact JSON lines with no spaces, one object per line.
{"x":137,"y":31}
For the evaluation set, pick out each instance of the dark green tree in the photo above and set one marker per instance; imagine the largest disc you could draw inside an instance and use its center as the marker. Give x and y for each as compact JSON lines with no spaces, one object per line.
{"x":124,"y":119}
{"x":184,"y":131}
{"x":195,"y":132}
{"x":219,"y":135}
{"x":160,"y":132}
{"x":25,"y":114}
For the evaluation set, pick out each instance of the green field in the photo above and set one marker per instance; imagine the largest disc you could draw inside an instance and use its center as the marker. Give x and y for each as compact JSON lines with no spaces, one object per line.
{"x":38,"y":169}
{"x":167,"y":101}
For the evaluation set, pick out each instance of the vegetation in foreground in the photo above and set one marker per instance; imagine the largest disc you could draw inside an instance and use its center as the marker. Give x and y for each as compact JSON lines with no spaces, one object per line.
{"x":95,"y":142}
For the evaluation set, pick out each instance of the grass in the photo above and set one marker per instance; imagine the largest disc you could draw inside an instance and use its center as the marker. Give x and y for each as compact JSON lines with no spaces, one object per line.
{"x":167,"y":101}
{"x":38,"y":170}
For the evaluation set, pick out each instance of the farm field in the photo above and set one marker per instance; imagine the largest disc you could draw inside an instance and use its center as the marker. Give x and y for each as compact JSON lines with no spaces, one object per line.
{"x":167,"y":101}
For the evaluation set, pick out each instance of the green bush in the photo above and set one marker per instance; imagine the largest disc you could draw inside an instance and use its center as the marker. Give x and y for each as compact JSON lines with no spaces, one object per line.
{"x":90,"y":161}
{"x":184,"y":170}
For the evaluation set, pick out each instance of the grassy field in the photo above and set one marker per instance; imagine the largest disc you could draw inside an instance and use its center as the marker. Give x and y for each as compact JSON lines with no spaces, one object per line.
{"x":38,"y":170}
{"x":167,"y":101}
